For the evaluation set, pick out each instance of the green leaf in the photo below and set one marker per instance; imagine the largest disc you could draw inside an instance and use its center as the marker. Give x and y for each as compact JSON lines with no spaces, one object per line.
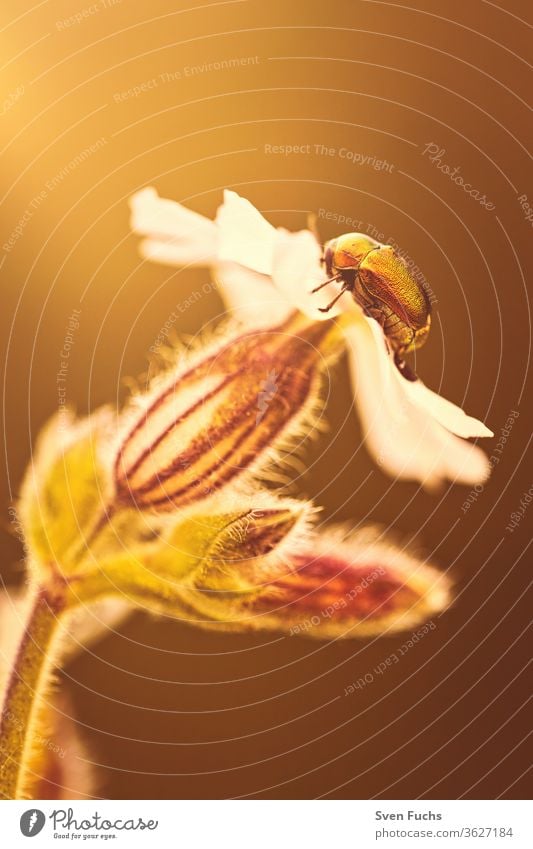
{"x":63,"y":495}
{"x":221,"y":555}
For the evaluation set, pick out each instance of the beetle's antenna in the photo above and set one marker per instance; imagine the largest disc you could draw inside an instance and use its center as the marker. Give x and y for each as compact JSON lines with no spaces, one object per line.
{"x":325,"y":283}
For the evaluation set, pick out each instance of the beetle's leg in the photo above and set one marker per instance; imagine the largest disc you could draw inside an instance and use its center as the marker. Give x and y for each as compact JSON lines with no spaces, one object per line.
{"x":376,"y":313}
{"x":404,"y":369}
{"x":335,"y":299}
{"x":325,"y":283}
{"x":377,"y":316}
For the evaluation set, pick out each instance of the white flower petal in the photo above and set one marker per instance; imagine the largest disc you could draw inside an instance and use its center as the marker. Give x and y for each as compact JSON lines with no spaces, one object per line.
{"x":450,"y":416}
{"x":176,"y":235}
{"x":287,"y":265}
{"x":406,"y":441}
{"x":297,"y":271}
{"x":245,"y":236}
{"x":250,"y":296}
{"x":173,"y":253}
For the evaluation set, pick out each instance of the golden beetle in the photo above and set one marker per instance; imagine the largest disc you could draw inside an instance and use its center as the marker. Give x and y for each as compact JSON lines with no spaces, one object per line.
{"x":380,"y":282}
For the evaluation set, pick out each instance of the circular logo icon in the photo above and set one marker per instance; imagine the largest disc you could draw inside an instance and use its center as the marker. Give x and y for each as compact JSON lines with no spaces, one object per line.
{"x":32,"y":822}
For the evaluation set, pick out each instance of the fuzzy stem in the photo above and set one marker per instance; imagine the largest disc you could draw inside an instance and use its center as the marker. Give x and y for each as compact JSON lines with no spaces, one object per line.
{"x":29,"y":678}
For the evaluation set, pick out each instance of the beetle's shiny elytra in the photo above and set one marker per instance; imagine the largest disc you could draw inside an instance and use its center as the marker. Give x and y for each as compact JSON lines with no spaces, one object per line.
{"x":381,"y":283}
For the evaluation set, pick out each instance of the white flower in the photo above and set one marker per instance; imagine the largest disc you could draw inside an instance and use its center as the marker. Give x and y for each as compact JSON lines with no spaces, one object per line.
{"x":176,"y":235}
{"x":246,"y":253}
{"x":264,"y":273}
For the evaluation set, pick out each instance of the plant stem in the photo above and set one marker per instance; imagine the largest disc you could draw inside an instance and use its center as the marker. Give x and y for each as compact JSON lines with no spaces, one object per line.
{"x":29,"y":679}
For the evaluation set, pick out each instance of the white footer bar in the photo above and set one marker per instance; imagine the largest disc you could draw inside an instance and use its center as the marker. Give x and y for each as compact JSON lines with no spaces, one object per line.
{"x":268,"y":824}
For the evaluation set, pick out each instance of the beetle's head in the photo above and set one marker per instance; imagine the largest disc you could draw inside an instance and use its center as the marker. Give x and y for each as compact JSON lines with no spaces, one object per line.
{"x":347,"y":252}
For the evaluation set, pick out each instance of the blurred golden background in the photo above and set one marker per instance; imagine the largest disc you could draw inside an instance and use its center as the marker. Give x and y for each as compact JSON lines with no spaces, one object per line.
{"x":99,"y":100}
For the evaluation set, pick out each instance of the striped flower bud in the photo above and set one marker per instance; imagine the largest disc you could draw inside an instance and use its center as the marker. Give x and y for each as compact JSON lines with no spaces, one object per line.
{"x":222,"y":415}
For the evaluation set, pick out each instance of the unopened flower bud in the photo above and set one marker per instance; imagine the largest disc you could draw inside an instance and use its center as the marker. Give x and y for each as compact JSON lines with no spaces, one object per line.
{"x":252,"y":548}
{"x":328,"y":587}
{"x":223,"y":414}
{"x":215,"y":556}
